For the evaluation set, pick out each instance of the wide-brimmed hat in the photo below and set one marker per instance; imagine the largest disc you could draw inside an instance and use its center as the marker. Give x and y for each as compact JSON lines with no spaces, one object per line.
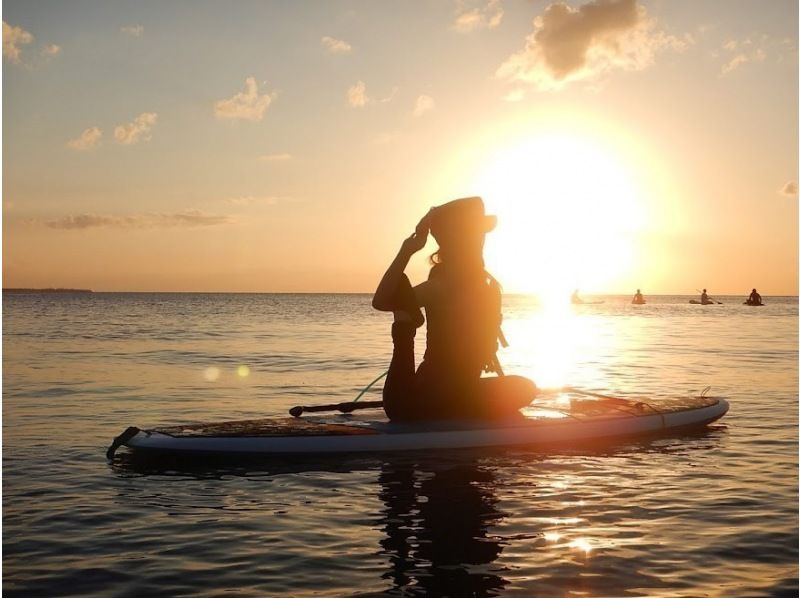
{"x":460,"y":216}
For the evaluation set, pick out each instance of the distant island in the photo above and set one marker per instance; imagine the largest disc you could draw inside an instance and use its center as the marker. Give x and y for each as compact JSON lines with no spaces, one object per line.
{"x":47,"y":290}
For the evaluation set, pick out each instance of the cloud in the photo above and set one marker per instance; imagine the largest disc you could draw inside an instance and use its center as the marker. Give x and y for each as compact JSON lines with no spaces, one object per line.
{"x":132,"y":30}
{"x":245,"y":105}
{"x":570,"y":44}
{"x":136,"y":131}
{"x":51,"y":50}
{"x":186,"y":219}
{"x":13,"y":39}
{"x":87,"y":140}
{"x":336,"y":46}
{"x":357,"y":95}
{"x":739,"y":52}
{"x":789,"y":189}
{"x":424,"y":103}
{"x":470,"y":19}
{"x":249,"y":200}
{"x":275,"y":157}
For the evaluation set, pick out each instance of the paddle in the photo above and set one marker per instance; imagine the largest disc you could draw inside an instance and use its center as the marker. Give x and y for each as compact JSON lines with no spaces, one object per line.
{"x":350,"y":406}
{"x":347,"y":407}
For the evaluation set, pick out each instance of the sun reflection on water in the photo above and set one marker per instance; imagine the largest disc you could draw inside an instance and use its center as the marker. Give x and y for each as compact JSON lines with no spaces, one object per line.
{"x":559,"y":344}
{"x":581,"y":544}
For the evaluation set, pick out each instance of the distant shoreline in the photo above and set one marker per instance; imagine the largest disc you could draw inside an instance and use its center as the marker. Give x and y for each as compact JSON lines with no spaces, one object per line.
{"x":49,"y":290}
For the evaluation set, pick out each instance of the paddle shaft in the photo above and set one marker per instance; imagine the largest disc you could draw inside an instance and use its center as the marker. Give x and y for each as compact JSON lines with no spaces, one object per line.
{"x":346,"y":407}
{"x":350,"y":406}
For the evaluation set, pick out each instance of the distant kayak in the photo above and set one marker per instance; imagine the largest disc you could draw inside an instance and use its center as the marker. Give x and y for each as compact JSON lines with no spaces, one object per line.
{"x":642,"y":302}
{"x":587,"y":302}
{"x":572,"y":421}
{"x":748,"y":302}
{"x":696,"y":302}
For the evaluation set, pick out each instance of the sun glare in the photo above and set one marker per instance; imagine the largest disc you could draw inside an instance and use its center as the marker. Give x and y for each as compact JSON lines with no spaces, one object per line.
{"x":568,"y":214}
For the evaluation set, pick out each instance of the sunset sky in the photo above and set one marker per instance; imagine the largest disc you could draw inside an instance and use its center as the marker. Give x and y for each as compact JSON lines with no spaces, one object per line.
{"x":290,"y":146}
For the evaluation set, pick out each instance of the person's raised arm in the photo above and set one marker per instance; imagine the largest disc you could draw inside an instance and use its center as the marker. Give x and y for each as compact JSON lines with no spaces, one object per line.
{"x":383,"y":300}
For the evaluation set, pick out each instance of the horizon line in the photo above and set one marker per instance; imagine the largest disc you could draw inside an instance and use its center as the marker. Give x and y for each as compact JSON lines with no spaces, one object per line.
{"x":68,"y":290}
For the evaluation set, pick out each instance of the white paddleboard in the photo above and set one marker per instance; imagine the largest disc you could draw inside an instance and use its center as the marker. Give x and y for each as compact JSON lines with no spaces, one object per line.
{"x":568,"y":421}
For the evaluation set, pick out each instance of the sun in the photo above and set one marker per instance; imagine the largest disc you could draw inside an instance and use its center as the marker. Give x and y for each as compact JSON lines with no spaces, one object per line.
{"x":569,"y":211}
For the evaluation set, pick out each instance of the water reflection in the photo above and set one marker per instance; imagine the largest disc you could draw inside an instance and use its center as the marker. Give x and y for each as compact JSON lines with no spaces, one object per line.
{"x":437,"y":529}
{"x":475,"y":523}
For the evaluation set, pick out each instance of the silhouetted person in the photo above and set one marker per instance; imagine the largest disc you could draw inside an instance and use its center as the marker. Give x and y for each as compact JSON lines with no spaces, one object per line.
{"x":575,"y":298}
{"x":638,"y":298}
{"x":754,"y":298}
{"x":704,"y":298}
{"x":462,"y":303}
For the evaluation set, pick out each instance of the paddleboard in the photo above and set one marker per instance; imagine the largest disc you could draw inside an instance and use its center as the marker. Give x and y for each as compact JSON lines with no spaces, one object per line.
{"x":563,"y":419}
{"x":696,"y":302}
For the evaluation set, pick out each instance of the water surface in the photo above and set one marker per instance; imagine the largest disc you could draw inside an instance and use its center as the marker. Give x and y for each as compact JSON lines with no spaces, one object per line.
{"x":712,"y":514}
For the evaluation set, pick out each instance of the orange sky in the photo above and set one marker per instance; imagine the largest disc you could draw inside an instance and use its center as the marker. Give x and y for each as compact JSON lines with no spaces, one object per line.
{"x":621,"y":144}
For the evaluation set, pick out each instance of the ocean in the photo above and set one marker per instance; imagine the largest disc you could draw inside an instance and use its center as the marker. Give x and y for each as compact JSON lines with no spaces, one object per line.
{"x":702,"y":514}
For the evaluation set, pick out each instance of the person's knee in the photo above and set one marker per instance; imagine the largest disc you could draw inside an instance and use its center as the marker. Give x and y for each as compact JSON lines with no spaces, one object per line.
{"x":520,"y":385}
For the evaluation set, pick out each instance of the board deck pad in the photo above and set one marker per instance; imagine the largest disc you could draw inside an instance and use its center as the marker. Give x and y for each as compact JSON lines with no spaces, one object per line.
{"x":353,"y":425}
{"x":262,"y":428}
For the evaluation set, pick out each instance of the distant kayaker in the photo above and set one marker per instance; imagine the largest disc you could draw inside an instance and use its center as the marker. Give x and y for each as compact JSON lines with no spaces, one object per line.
{"x":704,"y":298}
{"x":638,"y":298}
{"x":575,"y":298}
{"x":462,"y":303}
{"x":754,"y":298}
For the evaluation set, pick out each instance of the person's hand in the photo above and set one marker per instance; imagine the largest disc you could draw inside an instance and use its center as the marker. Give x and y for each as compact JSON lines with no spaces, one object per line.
{"x":419,"y":237}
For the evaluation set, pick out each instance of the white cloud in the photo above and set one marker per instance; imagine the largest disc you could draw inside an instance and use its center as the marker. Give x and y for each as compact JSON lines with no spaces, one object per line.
{"x":336,"y":46}
{"x":789,"y":189}
{"x":570,"y":44}
{"x":136,"y":131}
{"x":423,"y":104}
{"x":471,"y":18}
{"x":245,"y":105}
{"x":357,"y":95}
{"x":87,"y":140}
{"x":13,"y":39}
{"x":185,"y":219}
{"x":739,"y":52}
{"x":275,"y":157}
{"x":132,"y":30}
{"x":51,"y":50}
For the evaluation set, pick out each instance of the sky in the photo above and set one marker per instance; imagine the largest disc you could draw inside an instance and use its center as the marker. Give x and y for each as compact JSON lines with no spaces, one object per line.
{"x":291,"y":146}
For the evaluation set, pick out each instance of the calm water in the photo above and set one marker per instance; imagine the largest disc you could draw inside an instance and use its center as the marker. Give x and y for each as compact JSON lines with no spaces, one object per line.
{"x":713,"y":514}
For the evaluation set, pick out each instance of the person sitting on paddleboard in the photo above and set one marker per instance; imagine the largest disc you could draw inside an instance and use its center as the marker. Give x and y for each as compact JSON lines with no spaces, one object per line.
{"x":704,"y":297}
{"x":463,"y":306}
{"x":638,"y":298}
{"x":754,"y":299}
